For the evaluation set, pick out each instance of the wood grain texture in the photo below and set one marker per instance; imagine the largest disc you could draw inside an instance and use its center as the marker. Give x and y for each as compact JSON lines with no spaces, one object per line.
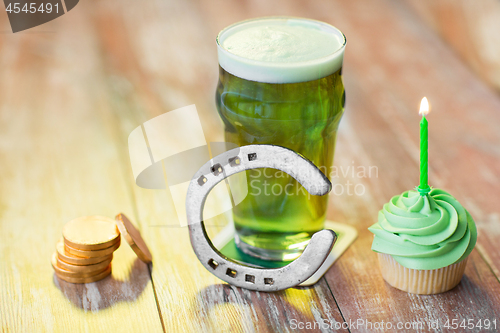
{"x":190,"y":298}
{"x":382,"y":111}
{"x":70,"y":96}
{"x":57,"y":163}
{"x":471,"y":28}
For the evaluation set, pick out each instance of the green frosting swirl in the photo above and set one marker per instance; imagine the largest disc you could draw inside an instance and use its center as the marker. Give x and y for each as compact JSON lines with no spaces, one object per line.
{"x":424,"y":231}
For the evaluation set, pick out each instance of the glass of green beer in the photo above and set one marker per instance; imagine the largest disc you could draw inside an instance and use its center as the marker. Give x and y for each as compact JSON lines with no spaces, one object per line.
{"x":280,"y":83}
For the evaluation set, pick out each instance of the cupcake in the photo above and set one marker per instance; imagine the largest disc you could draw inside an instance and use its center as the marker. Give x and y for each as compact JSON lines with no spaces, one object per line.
{"x":423,"y":241}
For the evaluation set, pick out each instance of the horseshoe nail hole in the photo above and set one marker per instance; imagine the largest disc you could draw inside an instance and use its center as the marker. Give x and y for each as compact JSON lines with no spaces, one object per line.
{"x":217,"y":169}
{"x":268,"y":281}
{"x":234,"y":161}
{"x":252,"y":156}
{"x":231,"y":272}
{"x":250,"y":278}
{"x":212,"y":263}
{"x":202,"y":180}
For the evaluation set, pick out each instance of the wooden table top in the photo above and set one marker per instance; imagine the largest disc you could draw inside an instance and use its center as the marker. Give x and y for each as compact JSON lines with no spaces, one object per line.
{"x":73,"y":89}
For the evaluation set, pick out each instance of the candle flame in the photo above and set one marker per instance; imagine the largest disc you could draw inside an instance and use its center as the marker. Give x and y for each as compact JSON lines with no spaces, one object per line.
{"x":424,"y":107}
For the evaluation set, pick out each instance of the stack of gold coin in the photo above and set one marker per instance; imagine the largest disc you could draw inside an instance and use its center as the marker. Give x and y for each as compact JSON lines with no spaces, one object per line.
{"x":85,"y":252}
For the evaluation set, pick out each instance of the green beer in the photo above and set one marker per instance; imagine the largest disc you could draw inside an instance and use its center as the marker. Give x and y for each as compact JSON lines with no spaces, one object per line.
{"x":295,"y":103}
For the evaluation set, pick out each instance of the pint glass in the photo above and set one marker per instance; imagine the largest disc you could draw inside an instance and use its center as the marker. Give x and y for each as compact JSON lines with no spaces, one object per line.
{"x":280,"y":83}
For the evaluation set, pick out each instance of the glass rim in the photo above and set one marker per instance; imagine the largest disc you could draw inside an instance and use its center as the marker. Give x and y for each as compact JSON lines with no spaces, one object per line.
{"x":277,"y":64}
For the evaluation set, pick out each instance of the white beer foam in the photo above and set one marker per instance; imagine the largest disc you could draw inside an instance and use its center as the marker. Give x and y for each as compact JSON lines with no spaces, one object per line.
{"x":281,"y":49}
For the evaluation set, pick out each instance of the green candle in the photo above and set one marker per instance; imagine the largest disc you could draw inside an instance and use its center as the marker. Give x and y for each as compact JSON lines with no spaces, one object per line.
{"x":424,"y":188}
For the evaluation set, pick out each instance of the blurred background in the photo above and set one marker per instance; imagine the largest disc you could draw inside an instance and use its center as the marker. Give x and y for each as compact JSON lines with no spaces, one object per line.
{"x":74,"y":88}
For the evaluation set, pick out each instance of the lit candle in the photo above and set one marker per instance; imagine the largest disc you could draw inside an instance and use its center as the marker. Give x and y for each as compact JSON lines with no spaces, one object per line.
{"x":424,"y":188}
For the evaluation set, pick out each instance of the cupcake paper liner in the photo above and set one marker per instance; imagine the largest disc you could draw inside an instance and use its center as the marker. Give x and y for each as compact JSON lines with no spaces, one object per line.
{"x":424,"y":282}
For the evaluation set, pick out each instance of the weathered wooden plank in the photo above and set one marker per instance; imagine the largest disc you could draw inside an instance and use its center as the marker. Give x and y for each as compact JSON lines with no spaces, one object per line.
{"x":372,"y":138}
{"x":138,"y":60}
{"x":190,"y":298}
{"x":57,"y":163}
{"x":388,"y":68}
{"x":471,"y":28}
{"x":463,"y":125}
{"x":392,"y":60}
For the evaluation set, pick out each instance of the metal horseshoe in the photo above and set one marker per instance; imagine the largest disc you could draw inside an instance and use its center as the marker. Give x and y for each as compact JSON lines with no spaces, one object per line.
{"x":238,"y":160}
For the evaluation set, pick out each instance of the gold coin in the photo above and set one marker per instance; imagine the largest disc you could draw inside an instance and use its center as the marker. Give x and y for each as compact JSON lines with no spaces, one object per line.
{"x":133,"y":238}
{"x":88,"y":279}
{"x":94,"y":268}
{"x":91,"y":253}
{"x":67,"y":257}
{"x":64,"y":272}
{"x":91,"y":233}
